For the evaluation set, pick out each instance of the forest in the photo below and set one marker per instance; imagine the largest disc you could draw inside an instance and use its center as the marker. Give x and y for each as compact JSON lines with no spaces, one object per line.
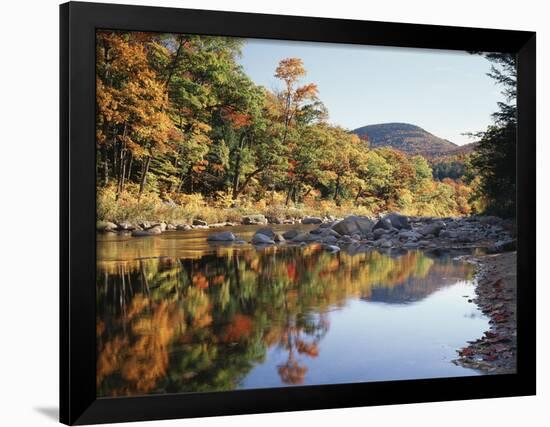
{"x":183,"y":133}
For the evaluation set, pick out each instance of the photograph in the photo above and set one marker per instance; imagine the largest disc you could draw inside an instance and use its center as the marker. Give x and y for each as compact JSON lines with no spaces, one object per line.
{"x":275,"y":213}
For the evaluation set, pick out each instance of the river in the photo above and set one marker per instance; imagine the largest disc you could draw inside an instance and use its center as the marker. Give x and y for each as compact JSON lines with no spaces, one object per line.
{"x":177,"y":314}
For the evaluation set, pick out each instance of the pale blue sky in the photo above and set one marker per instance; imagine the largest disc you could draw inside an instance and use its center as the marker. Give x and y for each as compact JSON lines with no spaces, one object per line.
{"x":445,"y":92}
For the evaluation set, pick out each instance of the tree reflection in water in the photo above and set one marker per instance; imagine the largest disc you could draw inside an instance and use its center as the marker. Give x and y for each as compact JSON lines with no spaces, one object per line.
{"x":168,"y":325}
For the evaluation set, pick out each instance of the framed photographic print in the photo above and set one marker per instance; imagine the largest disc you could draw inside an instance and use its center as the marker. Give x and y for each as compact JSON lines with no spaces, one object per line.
{"x":274,"y":213}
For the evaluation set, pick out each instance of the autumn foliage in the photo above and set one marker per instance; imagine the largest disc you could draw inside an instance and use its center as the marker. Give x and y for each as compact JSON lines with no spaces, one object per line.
{"x":178,"y":116}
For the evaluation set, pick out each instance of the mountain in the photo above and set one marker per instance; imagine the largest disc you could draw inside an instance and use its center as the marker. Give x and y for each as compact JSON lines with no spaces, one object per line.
{"x":408,"y":138}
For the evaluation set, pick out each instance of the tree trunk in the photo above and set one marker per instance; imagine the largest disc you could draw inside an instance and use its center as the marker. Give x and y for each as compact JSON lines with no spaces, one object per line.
{"x":359,"y":193}
{"x":105,"y":166}
{"x":237,"y":171}
{"x":289,"y":192}
{"x":130,"y":165}
{"x":144,"y":171}
{"x":247,"y":180}
{"x":337,"y":189}
{"x":182,"y":180}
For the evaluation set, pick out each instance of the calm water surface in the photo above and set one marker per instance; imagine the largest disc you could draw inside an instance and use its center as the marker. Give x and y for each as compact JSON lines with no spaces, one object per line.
{"x":176,"y":314}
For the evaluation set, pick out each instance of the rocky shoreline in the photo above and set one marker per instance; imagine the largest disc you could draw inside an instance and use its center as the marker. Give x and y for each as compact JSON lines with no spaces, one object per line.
{"x":354,"y":233}
{"x":495,"y":352}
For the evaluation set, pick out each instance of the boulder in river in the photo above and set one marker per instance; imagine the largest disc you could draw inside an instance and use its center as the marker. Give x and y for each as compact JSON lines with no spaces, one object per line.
{"x":433,"y":228}
{"x":379,"y":232}
{"x":183,"y":227}
{"x":254,"y":219}
{"x":386,"y":244}
{"x":266,"y":232}
{"x":291,"y":234}
{"x":329,"y":240}
{"x":262,"y":239}
{"x":354,"y":224}
{"x":278,"y":238}
{"x":410,"y":235}
{"x":401,"y":222}
{"x":199,"y":222}
{"x":155,"y":229}
{"x":383,"y":224}
{"x":106,"y":226}
{"x":311,"y":220}
{"x":306,"y":237}
{"x":225,"y":236}
{"x":125,"y":226}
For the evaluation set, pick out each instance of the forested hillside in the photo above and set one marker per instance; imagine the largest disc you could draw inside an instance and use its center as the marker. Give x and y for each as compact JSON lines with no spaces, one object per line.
{"x":405,"y":137}
{"x":184,"y":133}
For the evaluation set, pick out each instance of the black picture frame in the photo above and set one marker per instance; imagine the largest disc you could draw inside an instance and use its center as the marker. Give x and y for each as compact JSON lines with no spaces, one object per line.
{"x":78,"y":401}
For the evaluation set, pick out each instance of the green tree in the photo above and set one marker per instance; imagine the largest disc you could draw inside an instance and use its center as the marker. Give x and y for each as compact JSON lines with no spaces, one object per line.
{"x":495,"y":156}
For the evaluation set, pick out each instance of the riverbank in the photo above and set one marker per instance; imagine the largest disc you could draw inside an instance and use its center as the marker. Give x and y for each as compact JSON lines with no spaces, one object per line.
{"x":495,"y":351}
{"x":353,"y":233}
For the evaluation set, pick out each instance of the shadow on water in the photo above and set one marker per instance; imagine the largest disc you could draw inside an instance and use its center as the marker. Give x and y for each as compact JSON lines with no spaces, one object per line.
{"x":177,"y":315}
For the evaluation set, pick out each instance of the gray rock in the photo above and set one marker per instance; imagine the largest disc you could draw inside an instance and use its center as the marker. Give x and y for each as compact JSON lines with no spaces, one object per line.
{"x":106,"y":226}
{"x":446,"y":234}
{"x":398,"y":221}
{"x":409,"y":234}
{"x":379,"y":232}
{"x":278,"y":238}
{"x":306,"y":237}
{"x":410,"y":245}
{"x":262,"y":239}
{"x":170,"y":227}
{"x":433,"y":228}
{"x":354,"y":225}
{"x":331,"y":248}
{"x":464,"y":237}
{"x":383,"y":224}
{"x":318,"y":230}
{"x":503,"y":246}
{"x":347,"y":239}
{"x":329,"y":240}
{"x":225,"y":236}
{"x":331,"y":232}
{"x":266,"y":232}
{"x":162,"y":226}
{"x":125,"y":226}
{"x":386,"y":244}
{"x":291,"y":234}
{"x":274,"y":220}
{"x":311,"y":220}
{"x":199,"y":222}
{"x":490,"y":220}
{"x":254,"y":219}
{"x":183,"y":227}
{"x":155,"y":229}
